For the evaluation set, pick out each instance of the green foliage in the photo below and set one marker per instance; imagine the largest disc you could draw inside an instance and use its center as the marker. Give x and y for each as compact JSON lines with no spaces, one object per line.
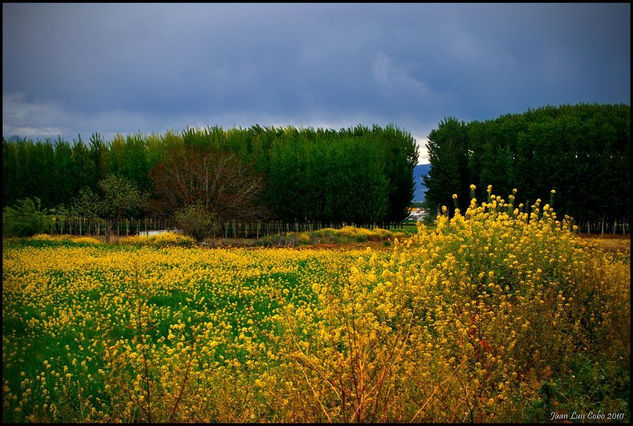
{"x":447,"y":147}
{"x":26,"y":217}
{"x":330,"y":180}
{"x":86,"y":204}
{"x":590,"y":384}
{"x":99,"y":156}
{"x":115,"y":198}
{"x":119,"y":196}
{"x":63,"y":179}
{"x":582,"y":151}
{"x":196,"y":221}
{"x":360,"y":175}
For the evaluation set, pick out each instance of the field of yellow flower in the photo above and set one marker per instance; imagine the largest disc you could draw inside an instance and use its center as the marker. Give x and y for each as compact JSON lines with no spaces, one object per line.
{"x":498,"y":314}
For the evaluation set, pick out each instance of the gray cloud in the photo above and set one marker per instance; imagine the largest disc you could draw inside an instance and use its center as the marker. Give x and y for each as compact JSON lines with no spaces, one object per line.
{"x":79,"y":68}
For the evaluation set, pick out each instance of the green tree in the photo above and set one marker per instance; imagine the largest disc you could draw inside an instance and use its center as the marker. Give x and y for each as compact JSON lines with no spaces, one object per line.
{"x":10,"y":161}
{"x":582,"y":151}
{"x":64,"y":188}
{"x":196,"y":221}
{"x":83,"y":171}
{"x":400,"y":157}
{"x":119,"y":197}
{"x":99,"y":156}
{"x":25,"y":218}
{"x":448,"y":154}
{"x":87,"y":205}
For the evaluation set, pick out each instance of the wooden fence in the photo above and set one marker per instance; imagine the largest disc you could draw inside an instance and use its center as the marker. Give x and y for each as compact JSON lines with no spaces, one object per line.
{"x":229,"y":229}
{"x":236,"y":229}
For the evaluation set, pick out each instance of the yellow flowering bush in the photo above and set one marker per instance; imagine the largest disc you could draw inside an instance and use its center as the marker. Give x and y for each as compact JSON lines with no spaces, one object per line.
{"x":47,"y":237}
{"x":304,"y":238}
{"x":363,"y":234}
{"x":65,"y":238}
{"x":462,"y":323}
{"x":164,"y":239}
{"x":345,"y":235}
{"x":488,"y":317}
{"x":85,"y":240}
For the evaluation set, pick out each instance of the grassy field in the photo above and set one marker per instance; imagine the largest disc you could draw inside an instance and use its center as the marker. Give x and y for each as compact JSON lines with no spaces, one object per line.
{"x":484,"y":318}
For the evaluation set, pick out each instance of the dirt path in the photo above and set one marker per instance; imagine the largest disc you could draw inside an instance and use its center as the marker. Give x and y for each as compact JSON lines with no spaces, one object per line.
{"x":609,"y":242}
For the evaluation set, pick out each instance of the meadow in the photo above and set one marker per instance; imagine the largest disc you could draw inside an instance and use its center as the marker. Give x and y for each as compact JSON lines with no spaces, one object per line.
{"x":500,"y":313}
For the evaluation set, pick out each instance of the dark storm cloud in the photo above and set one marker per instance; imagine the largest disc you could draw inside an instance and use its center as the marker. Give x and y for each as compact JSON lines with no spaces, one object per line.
{"x":70,"y":68}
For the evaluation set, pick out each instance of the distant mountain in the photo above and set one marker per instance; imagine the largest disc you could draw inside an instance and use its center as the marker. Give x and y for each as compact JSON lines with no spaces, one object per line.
{"x":419,"y":171}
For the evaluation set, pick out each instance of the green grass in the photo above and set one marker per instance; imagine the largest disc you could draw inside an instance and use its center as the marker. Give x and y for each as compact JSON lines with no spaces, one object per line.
{"x":240,"y":293}
{"x":408,"y":227}
{"x":245,"y":298}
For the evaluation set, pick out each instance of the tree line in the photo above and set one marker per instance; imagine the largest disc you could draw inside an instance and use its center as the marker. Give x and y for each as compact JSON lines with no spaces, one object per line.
{"x":359,"y":174}
{"x":582,"y":151}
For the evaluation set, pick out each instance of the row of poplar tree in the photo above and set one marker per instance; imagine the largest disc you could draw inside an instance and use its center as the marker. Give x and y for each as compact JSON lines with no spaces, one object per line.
{"x":582,"y":151}
{"x":359,"y":174}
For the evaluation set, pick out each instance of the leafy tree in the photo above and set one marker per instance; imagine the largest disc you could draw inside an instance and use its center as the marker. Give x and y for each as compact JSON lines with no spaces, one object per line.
{"x":448,"y":154}
{"x":118,"y":198}
{"x":135,"y":165}
{"x":196,"y":221}
{"x":400,"y":156}
{"x":10,"y":161}
{"x":219,"y":181}
{"x":582,"y":151}
{"x":64,"y":188}
{"x":25,"y":218}
{"x":99,"y":156}
{"x":83,"y":171}
{"x":87,"y":205}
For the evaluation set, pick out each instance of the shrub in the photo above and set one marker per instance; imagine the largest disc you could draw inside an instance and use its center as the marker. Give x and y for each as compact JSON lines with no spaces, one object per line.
{"x":25,"y":218}
{"x":160,"y":240}
{"x":85,"y":240}
{"x":47,"y":237}
{"x":66,"y":238}
{"x":304,"y":238}
{"x":466,"y":322}
{"x":497,"y":315}
{"x":197,"y":221}
{"x":347,"y":234}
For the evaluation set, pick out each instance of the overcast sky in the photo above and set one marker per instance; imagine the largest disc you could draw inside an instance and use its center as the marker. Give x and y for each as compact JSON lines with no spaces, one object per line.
{"x":108,"y":68}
